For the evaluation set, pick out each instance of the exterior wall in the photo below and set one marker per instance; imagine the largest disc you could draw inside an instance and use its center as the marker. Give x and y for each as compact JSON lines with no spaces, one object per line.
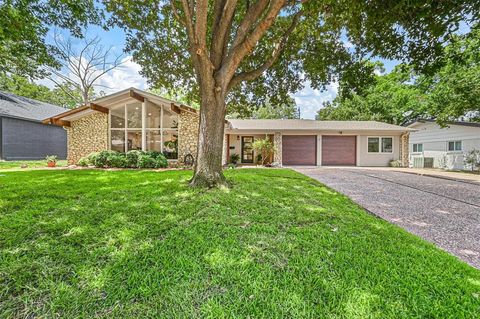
{"x":435,"y":143}
{"x":86,"y":135}
{"x":27,"y":140}
{"x":187,"y":134}
{"x":376,"y":159}
{"x":277,"y":148}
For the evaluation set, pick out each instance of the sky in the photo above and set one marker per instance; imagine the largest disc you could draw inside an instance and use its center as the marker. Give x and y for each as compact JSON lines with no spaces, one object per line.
{"x":128,"y":75}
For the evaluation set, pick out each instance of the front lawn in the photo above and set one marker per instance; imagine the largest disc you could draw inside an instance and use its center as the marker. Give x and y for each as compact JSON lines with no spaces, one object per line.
{"x":30,"y":164}
{"x":92,"y":243}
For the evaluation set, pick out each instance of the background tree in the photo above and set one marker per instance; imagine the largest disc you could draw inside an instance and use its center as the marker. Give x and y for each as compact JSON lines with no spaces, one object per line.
{"x":81,"y":68}
{"x":24,"y":26}
{"x":449,"y":93}
{"x":22,"y":86}
{"x":282,"y":110}
{"x":390,"y":98}
{"x":252,"y":50}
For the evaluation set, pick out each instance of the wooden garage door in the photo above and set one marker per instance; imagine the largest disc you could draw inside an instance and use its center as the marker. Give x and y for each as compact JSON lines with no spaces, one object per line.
{"x":299,"y":150}
{"x":339,"y":150}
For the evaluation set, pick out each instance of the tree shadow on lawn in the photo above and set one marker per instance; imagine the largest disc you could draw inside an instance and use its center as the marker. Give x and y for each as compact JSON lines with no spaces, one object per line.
{"x":135,"y":243}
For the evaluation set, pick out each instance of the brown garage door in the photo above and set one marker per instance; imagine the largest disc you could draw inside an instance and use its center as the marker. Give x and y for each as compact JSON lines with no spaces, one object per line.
{"x":299,"y":150}
{"x":339,"y":150}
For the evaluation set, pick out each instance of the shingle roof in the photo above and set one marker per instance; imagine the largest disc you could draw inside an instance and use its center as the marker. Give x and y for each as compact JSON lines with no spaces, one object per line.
{"x":313,"y":125}
{"x":12,"y":105}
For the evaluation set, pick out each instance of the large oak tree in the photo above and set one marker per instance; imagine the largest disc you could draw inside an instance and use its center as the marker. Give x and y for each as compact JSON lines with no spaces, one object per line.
{"x":251,"y":51}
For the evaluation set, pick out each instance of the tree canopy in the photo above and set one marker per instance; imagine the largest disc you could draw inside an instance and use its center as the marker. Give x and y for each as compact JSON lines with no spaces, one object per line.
{"x":24,"y":26}
{"x":449,"y":93}
{"x":61,"y":95}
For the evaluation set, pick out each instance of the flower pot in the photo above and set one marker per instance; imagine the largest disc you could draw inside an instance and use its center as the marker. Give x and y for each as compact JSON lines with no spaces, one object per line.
{"x":51,"y":164}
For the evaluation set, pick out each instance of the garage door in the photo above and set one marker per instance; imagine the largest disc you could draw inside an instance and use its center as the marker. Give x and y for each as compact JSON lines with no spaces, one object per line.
{"x":299,"y":150}
{"x":339,"y":150}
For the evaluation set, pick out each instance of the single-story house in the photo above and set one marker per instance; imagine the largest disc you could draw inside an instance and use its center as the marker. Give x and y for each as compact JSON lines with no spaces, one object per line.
{"x":433,"y":146}
{"x":133,"y":119}
{"x":23,"y":136}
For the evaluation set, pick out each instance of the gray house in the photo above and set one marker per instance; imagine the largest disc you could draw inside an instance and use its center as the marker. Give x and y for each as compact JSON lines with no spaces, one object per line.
{"x":23,"y":136}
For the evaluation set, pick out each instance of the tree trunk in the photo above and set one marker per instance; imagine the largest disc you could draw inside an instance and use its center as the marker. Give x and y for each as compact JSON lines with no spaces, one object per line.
{"x":208,"y":165}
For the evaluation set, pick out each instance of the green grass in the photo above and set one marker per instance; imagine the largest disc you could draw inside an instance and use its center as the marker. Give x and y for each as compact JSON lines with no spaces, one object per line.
{"x":112,"y":244}
{"x":30,"y":164}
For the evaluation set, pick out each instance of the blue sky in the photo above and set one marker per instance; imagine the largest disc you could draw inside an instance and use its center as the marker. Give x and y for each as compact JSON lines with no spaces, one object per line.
{"x":308,"y":100}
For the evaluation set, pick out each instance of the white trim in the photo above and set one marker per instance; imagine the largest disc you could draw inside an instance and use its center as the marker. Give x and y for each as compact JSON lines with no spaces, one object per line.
{"x":144,"y":124}
{"x":380,"y":144}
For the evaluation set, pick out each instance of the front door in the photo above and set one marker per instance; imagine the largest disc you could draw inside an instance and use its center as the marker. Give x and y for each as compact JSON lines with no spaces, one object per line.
{"x":247,"y":149}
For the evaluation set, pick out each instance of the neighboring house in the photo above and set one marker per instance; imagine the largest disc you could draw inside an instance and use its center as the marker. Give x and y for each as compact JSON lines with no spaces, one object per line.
{"x":136,"y":120}
{"x":23,"y":136}
{"x":434,"y":146}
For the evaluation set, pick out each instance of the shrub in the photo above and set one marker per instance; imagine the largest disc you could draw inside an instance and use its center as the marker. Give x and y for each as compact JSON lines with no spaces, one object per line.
{"x":234,"y":158}
{"x":145,"y":161}
{"x":153,"y":154}
{"x":83,"y":162}
{"x":117,"y":160}
{"x":472,"y":159}
{"x":161,"y":161}
{"x":395,"y":163}
{"x":132,"y":158}
{"x":92,"y":157}
{"x":101,"y":159}
{"x":51,"y":158}
{"x":264,"y":147}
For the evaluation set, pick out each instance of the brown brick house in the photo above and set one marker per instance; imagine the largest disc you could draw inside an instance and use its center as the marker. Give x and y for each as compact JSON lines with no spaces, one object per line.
{"x":133,"y":119}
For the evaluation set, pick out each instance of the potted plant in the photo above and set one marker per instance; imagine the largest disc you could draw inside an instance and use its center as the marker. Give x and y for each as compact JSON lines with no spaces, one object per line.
{"x":234,"y":158}
{"x":51,"y":160}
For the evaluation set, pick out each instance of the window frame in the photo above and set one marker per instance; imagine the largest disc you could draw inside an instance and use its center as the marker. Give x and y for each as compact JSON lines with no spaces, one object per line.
{"x":143,"y":129}
{"x":417,"y":151}
{"x":380,"y":138}
{"x":455,"y":146}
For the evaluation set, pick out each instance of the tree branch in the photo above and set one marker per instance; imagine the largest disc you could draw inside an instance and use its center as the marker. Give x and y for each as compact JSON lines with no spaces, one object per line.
{"x":251,"y":75}
{"x":224,"y":12}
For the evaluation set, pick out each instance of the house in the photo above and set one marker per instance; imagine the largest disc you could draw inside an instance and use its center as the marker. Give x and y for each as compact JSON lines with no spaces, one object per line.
{"x":133,"y":119}
{"x":23,"y":136}
{"x":433,"y":146}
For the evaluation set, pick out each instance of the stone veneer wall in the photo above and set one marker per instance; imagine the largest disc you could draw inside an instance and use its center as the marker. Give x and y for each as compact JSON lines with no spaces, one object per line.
{"x":404,"y":149}
{"x":277,"y":148}
{"x":86,"y":135}
{"x":187,"y":134}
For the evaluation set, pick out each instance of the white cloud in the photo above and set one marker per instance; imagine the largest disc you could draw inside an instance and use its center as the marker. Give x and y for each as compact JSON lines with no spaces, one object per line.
{"x":310,"y":100}
{"x":125,"y":76}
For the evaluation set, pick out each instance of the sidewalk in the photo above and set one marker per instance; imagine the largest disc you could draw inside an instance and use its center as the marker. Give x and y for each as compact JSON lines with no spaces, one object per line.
{"x":456,"y":176}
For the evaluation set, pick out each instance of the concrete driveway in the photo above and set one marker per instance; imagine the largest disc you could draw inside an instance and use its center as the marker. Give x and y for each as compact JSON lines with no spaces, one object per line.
{"x":444,"y":212}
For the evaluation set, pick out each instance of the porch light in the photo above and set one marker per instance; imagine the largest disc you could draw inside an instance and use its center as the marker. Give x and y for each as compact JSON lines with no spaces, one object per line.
{"x":238,"y":137}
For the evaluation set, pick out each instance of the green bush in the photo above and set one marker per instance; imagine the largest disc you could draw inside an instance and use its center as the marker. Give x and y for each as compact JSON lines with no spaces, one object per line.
{"x":117,"y":160}
{"x":153,"y":154}
{"x":101,"y":159}
{"x":395,"y":163}
{"x":132,"y":158}
{"x":83,"y":162}
{"x":161,"y":161}
{"x":145,"y":161}
{"x":92,"y":157}
{"x":234,"y":158}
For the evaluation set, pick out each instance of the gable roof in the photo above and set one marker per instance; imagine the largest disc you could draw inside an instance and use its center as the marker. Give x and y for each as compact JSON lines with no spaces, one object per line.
{"x":300,"y":125}
{"x":461,"y":123}
{"x":12,"y":105}
{"x":104,"y":103}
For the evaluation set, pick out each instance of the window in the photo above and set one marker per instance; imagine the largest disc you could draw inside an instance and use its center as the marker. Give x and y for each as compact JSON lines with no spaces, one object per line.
{"x":380,"y":145}
{"x":159,"y":133}
{"x":417,"y":148}
{"x":454,"y":146}
{"x":373,"y":144}
{"x":387,"y":145}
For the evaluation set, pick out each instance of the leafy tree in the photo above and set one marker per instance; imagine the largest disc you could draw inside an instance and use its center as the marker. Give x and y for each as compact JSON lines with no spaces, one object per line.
{"x":25,"y":23}
{"x":283,"y":110}
{"x":451,"y":92}
{"x":61,"y":95}
{"x":391,"y":98}
{"x":250,"y":51}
